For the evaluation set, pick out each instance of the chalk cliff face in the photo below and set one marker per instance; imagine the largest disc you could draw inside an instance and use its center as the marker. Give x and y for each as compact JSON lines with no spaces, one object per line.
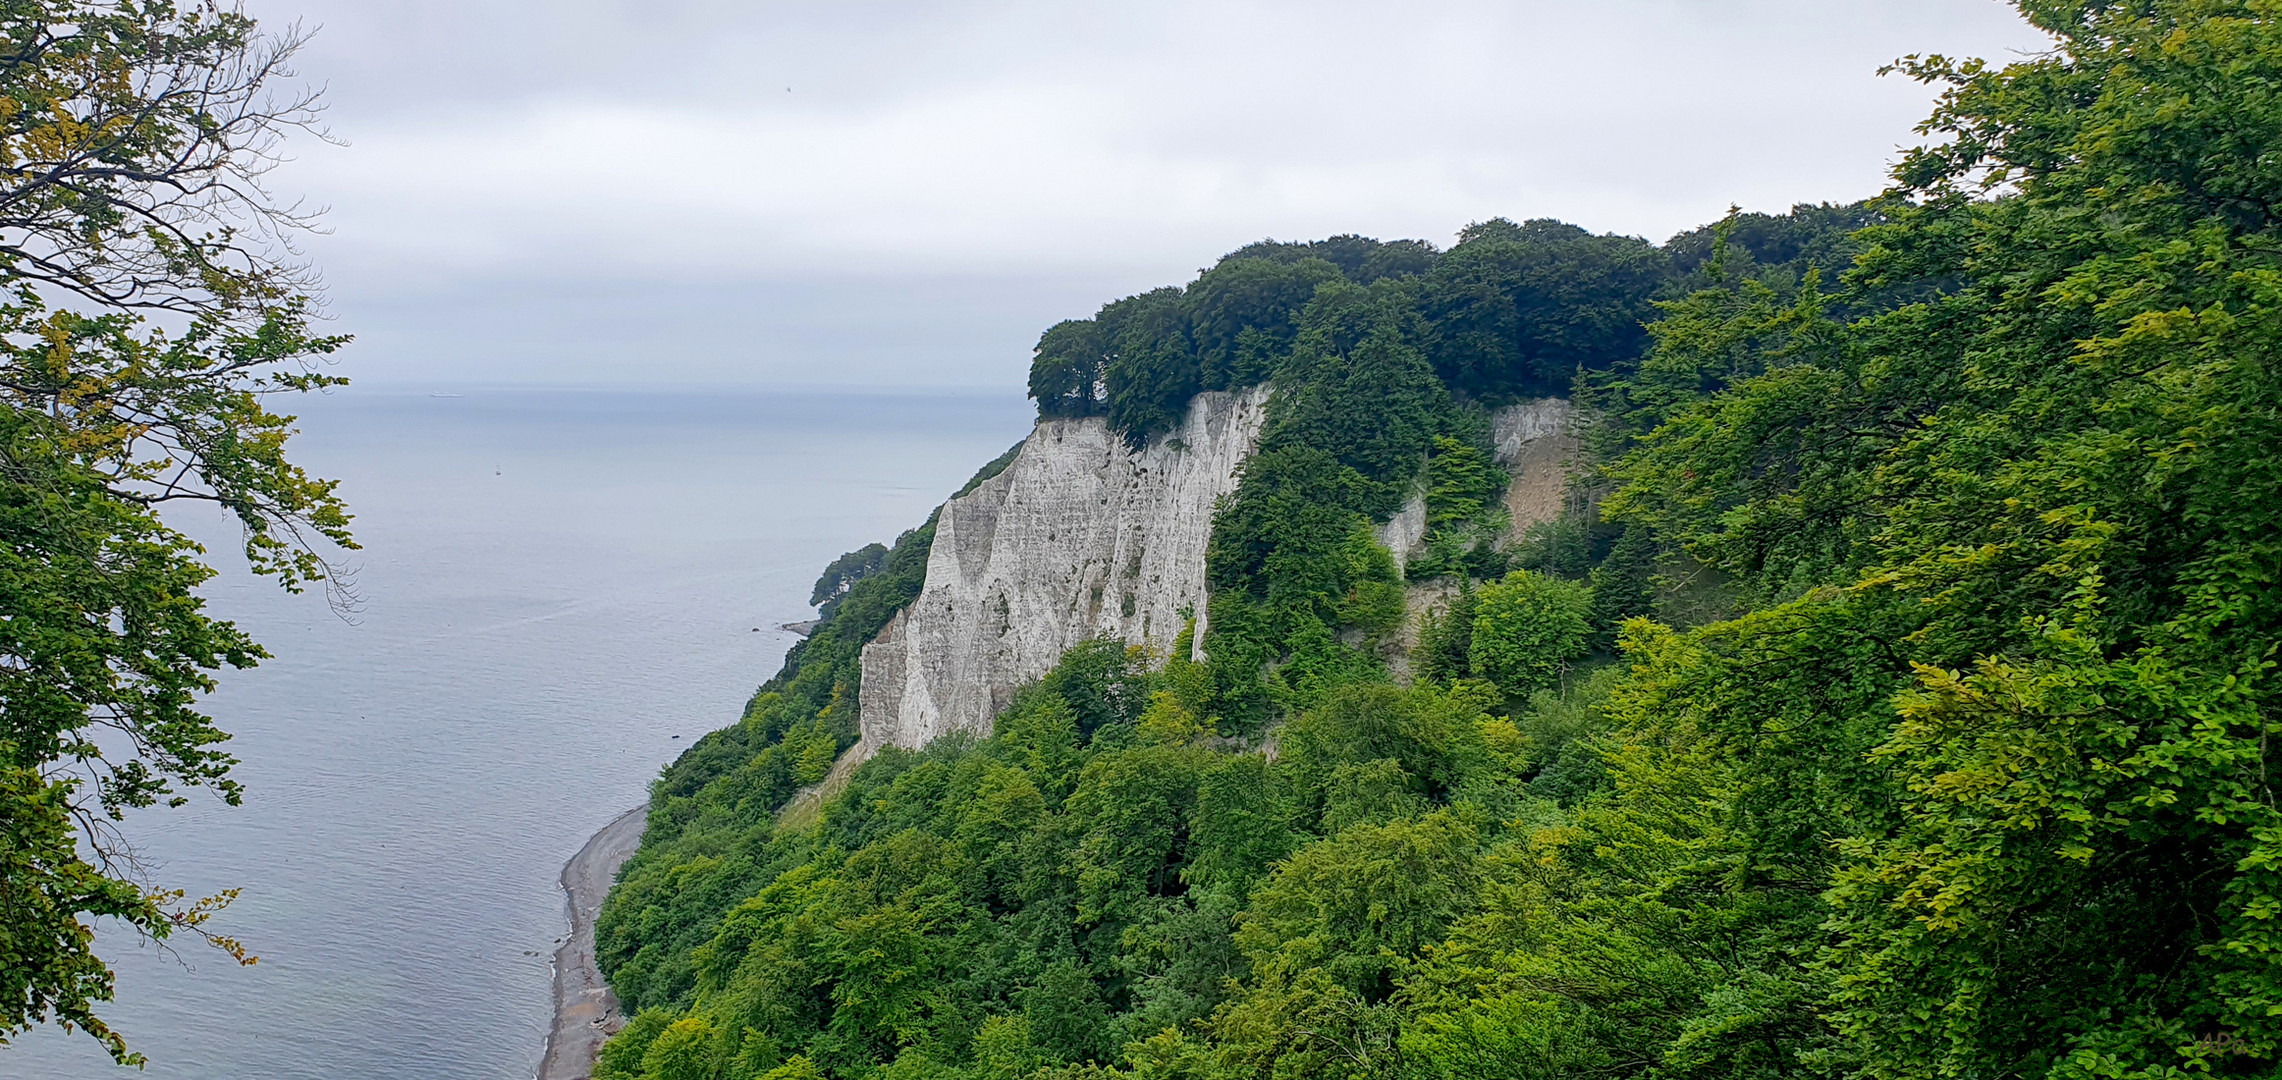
{"x":1536,"y":442}
{"x":1080,"y":537}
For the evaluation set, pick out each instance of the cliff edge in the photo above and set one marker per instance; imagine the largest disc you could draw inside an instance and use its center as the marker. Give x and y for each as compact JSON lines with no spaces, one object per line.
{"x":1083,"y":537}
{"x":1080,"y":537}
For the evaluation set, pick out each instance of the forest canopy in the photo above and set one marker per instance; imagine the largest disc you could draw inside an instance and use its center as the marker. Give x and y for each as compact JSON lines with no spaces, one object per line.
{"x":1897,"y":698}
{"x":1511,"y":310}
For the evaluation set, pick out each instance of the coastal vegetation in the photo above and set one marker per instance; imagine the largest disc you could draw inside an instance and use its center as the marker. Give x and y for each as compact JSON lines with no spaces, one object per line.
{"x":148,"y":311}
{"x":1896,"y":699}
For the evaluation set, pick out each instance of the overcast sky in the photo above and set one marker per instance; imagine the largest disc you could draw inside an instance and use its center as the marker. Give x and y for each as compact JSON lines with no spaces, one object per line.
{"x":898,"y":194}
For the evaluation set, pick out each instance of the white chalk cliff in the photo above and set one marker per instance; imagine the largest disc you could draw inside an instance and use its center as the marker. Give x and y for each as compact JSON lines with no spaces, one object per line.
{"x":1082,"y":537}
{"x":1535,"y":442}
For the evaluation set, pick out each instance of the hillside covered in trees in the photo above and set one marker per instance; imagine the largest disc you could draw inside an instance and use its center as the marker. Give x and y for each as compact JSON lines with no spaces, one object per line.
{"x":1894,"y":701}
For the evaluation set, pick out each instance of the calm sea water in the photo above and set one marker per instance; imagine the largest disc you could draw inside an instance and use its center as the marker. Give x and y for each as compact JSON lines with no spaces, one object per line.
{"x":560,"y":591}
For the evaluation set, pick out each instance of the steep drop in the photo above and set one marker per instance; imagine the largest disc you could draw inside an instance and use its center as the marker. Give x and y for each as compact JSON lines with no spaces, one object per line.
{"x":1083,"y":537}
{"x":1079,"y":537}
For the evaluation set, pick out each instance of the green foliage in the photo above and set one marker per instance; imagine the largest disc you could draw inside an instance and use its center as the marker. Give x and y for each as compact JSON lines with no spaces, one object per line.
{"x":1376,"y":407}
{"x":1042,"y":899}
{"x":622,"y":1057}
{"x":1623,"y":583}
{"x":1517,"y":310}
{"x":1354,"y":907}
{"x":1512,"y":310}
{"x":2034,"y":488}
{"x":1947,"y":758}
{"x":1067,"y":371}
{"x":1280,"y":568}
{"x":1464,"y":515}
{"x":1461,"y":483}
{"x":844,"y":572}
{"x":144,"y":322}
{"x":1446,"y":639}
{"x":685,"y":1050}
{"x":1527,"y":628}
{"x":1295,"y":571}
{"x":1374,"y":602}
{"x":1361,"y":258}
{"x":1152,"y":369}
{"x":1780,"y":251}
{"x":1246,"y":311}
{"x":728,"y":785}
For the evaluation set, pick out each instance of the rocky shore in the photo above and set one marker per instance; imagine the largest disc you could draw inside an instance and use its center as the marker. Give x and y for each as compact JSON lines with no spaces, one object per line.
{"x":586,"y":1013}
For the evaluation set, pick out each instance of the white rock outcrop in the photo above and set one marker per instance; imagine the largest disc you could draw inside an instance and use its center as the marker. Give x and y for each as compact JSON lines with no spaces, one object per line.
{"x":1080,"y":537}
{"x":1083,"y":537}
{"x":1536,"y":443}
{"x":1405,"y":533}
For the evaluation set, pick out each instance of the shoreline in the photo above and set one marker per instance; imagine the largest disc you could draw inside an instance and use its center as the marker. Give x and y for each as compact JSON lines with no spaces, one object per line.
{"x":586,"y":1012}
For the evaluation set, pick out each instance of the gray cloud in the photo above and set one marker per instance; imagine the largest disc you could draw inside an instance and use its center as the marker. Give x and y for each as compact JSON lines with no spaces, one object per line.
{"x":578,"y":190}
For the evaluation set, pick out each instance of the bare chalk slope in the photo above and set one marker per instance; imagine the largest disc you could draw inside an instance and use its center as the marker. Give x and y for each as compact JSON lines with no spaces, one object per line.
{"x":1081,"y":536}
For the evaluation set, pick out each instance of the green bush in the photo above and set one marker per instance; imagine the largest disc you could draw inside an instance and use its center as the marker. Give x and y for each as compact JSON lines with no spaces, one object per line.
{"x":1527,"y":629}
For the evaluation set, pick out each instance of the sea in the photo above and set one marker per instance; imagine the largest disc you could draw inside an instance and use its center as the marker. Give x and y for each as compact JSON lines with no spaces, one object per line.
{"x":558,"y":589}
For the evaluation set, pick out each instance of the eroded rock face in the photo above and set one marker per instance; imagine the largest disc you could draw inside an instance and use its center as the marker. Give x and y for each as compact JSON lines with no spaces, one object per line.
{"x":1536,"y":442}
{"x":1080,"y":537}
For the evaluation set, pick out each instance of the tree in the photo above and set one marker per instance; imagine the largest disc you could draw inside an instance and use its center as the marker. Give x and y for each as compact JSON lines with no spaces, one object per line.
{"x":1518,"y":309}
{"x":1066,"y":373}
{"x":149,"y":305}
{"x":1152,"y":370}
{"x":1526,"y":630}
{"x":1362,"y":259}
{"x":1251,"y":306}
{"x":833,"y":584}
{"x":2033,"y":513}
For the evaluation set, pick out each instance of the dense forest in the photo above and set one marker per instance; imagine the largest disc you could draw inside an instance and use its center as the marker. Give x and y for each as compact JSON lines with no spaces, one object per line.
{"x":1894,"y":699}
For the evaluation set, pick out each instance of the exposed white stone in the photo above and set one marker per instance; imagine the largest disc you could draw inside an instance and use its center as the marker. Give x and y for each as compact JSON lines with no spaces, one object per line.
{"x":1080,"y":537}
{"x":1536,"y":444}
{"x":1536,"y":441}
{"x":1083,"y":537}
{"x":1405,"y":533}
{"x":879,"y":707}
{"x":1512,"y":428}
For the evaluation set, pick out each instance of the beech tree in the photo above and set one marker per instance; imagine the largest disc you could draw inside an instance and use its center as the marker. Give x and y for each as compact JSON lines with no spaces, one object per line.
{"x":151,"y":304}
